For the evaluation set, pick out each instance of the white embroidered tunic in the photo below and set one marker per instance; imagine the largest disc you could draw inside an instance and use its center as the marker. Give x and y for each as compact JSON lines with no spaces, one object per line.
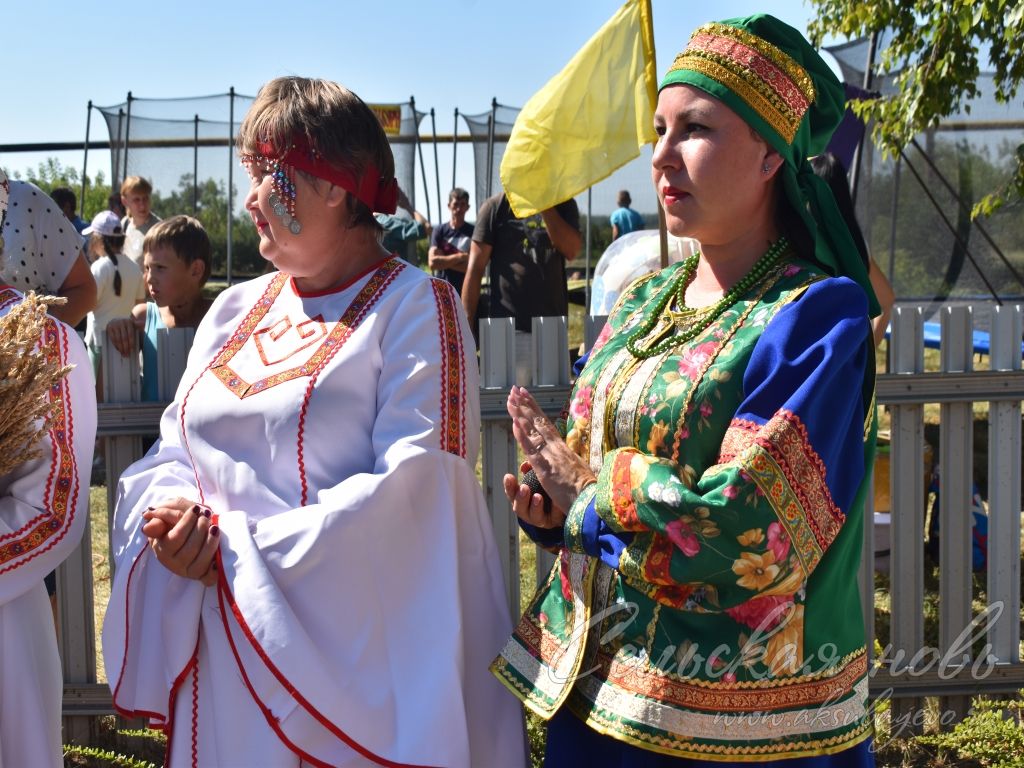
{"x":43,"y":507}
{"x":359,"y":599}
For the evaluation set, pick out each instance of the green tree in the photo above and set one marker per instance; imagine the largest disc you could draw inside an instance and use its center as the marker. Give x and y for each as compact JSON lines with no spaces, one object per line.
{"x":937,"y":51}
{"x":209,"y":204}
{"x":50,"y":174}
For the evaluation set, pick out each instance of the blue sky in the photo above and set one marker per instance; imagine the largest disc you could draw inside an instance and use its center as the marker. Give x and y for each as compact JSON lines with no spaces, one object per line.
{"x":446,"y":53}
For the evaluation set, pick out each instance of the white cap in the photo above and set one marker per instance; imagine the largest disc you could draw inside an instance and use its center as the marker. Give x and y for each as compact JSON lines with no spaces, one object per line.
{"x":104,"y":223}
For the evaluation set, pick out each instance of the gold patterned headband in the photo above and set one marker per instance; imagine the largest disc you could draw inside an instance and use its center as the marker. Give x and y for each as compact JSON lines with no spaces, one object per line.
{"x":768,"y":80}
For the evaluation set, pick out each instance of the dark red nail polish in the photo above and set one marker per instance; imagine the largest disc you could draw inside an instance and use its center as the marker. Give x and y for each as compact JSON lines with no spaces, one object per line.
{"x":214,"y":530}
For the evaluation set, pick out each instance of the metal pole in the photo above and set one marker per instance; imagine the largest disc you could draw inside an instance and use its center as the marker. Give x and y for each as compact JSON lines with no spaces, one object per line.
{"x":455,"y":146}
{"x":419,"y":151}
{"x":868,"y":77}
{"x":231,"y":175}
{"x":437,"y":167}
{"x":894,"y":209}
{"x":490,"y":146}
{"x":85,"y":159}
{"x":127,"y":136}
{"x":195,"y":168}
{"x":116,"y":171}
{"x":586,"y":266}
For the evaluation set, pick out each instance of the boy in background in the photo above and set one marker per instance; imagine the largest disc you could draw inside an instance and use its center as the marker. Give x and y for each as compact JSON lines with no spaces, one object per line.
{"x":176,"y":266}
{"x":136,"y":193}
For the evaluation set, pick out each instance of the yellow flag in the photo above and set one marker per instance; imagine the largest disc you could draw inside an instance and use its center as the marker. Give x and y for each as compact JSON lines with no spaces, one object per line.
{"x":590,"y":119}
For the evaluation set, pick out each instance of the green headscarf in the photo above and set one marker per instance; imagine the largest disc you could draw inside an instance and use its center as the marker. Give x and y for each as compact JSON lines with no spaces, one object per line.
{"x":767,"y":72}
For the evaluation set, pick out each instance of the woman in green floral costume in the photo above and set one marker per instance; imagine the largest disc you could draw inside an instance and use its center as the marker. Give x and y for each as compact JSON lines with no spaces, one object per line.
{"x":707,"y":483}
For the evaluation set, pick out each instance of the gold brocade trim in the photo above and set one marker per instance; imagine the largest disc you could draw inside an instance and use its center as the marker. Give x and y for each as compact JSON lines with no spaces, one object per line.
{"x":758,"y":101}
{"x":796,"y":73}
{"x":630,"y":398}
{"x":559,"y":660}
{"x":778,"y":457}
{"x":732,"y":698}
{"x":787,"y":441}
{"x":616,"y":376}
{"x":871,"y":416}
{"x":739,"y":436}
{"x":652,"y":627}
{"x":770,"y":81}
{"x":724,"y":753}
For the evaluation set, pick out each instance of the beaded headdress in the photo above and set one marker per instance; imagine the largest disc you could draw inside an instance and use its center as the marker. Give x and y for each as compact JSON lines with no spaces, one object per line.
{"x":370,"y":188}
{"x":770,"y":75}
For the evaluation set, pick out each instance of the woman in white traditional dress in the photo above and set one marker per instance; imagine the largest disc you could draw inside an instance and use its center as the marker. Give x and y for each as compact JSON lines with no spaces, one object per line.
{"x":43,"y":507}
{"x":306,"y":573}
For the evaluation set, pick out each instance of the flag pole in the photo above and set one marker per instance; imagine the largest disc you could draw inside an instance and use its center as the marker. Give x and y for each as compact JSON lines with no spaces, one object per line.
{"x":648,"y":32}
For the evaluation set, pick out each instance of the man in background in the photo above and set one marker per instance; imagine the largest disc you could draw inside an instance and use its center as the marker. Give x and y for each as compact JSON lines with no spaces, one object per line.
{"x":65,"y":198}
{"x":624,"y":219}
{"x":402,"y":229}
{"x":449,"y":245}
{"x":526,"y":258}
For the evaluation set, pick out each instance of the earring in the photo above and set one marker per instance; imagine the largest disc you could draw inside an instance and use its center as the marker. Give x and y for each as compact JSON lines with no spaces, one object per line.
{"x":282,"y":199}
{"x":766,"y":169}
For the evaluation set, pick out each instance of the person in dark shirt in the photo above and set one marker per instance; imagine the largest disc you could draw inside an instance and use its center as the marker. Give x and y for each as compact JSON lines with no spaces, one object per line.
{"x":449,"y":244}
{"x":527,"y":267}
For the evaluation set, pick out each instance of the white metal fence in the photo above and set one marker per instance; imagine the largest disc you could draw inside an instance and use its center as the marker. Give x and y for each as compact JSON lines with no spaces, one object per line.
{"x":909,"y":669}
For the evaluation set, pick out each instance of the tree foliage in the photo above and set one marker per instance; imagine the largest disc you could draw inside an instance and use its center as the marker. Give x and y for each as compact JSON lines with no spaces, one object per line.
{"x":208,"y":203}
{"x":937,"y":53}
{"x":51,"y":174}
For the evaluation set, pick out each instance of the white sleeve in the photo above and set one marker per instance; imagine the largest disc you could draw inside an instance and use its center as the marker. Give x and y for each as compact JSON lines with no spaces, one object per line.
{"x":44,"y":502}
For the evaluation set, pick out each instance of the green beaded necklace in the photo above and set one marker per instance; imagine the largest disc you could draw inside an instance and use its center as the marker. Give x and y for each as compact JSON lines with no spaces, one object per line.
{"x":698,"y":320}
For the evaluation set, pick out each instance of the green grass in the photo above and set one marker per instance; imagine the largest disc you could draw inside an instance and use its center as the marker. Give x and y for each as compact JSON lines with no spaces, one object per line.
{"x":100,"y":565}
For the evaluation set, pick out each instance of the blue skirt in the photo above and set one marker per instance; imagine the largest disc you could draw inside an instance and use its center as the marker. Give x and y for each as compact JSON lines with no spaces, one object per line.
{"x":571,"y":743}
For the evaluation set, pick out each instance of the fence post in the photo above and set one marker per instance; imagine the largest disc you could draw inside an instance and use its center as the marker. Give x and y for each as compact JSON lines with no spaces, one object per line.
{"x":1004,"y":486}
{"x":120,"y":385}
{"x":592,"y":326}
{"x":498,"y":371}
{"x":76,"y":635}
{"x":906,"y":492}
{"x":956,"y":452}
{"x":172,"y":347}
{"x":550,"y":342}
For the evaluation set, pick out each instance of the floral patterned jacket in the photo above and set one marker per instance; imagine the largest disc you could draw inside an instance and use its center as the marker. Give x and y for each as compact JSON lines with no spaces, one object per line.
{"x":705,"y":601}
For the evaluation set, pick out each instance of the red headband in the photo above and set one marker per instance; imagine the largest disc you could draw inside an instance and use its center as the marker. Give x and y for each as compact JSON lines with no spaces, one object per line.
{"x":379,"y":196}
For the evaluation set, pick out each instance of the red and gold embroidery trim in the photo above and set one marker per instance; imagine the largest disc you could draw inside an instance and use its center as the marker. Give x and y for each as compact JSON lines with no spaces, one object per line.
{"x":719,"y":696}
{"x":771,"y":82}
{"x":778,"y":456}
{"x":339,"y":334}
{"x":453,"y":375}
{"x":47,"y":528}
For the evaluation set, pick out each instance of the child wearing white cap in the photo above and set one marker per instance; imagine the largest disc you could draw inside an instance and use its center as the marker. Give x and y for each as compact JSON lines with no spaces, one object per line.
{"x":119,"y":285}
